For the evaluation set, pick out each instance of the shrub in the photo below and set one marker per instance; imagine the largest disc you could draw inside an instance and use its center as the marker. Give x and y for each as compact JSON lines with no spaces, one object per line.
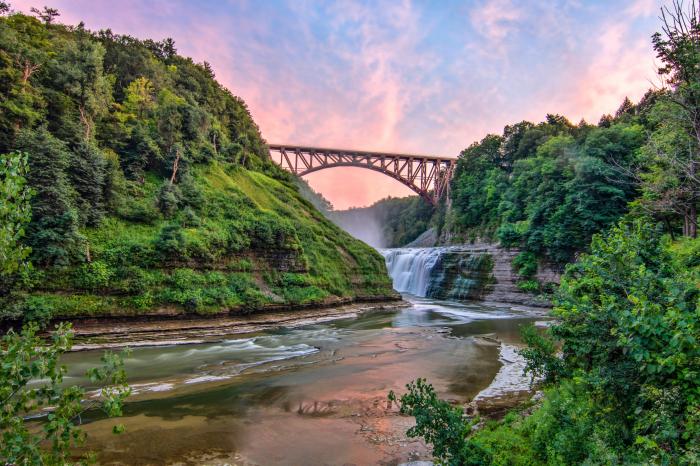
{"x":529,"y":286}
{"x":189,"y":218}
{"x":37,"y":309}
{"x":31,"y":378}
{"x":168,"y":199}
{"x":509,"y":236}
{"x":94,"y":275}
{"x":525,"y":263}
{"x":143,"y":301}
{"x":626,"y":388}
{"x":170,"y":243}
{"x":440,"y":424}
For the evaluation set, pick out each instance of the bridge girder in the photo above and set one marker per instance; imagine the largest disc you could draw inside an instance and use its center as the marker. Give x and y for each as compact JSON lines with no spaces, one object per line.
{"x":428,"y":176}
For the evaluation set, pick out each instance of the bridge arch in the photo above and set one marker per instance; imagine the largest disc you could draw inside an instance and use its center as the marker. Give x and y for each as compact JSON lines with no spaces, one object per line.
{"x":428,"y":176}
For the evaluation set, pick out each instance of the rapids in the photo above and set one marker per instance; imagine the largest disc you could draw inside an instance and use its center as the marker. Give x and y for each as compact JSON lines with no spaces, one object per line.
{"x":312,"y":394}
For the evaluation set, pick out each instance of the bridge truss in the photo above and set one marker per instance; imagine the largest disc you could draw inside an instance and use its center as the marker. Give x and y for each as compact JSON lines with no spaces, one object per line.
{"x":429,"y":176}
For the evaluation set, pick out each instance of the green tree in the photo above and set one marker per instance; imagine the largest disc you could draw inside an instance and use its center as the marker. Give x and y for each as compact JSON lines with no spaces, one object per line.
{"x":78,"y":71}
{"x":15,"y":214}
{"x":31,"y":380}
{"x":25,"y":53}
{"x":678,"y":48}
{"x":47,"y":15}
{"x":53,"y":233}
{"x":479,"y":182}
{"x":88,"y":175}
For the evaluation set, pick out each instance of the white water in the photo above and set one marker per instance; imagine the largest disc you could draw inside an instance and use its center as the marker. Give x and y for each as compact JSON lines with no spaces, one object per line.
{"x":410,"y":268}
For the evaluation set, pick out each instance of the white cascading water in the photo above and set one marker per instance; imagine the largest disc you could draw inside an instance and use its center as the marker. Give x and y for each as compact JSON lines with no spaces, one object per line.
{"x":410,"y":268}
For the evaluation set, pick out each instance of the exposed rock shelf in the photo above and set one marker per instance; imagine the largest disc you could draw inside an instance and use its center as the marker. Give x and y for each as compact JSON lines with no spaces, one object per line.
{"x":480,"y":271}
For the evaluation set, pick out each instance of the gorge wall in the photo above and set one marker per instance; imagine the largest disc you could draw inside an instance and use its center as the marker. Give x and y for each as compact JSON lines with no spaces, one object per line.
{"x":480,"y":271}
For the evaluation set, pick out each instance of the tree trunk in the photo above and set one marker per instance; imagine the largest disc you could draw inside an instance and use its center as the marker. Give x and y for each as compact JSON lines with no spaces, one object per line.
{"x":28,"y":70}
{"x":86,"y":121}
{"x":670,"y":228}
{"x":693,"y":221}
{"x":176,"y":163}
{"x":693,"y":211}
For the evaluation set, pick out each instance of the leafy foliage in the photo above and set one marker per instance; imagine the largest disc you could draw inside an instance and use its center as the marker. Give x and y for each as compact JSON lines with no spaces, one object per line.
{"x":439,"y":423}
{"x":144,"y":165}
{"x":626,"y":386}
{"x":15,"y":213}
{"x":546,"y":188}
{"x":31,"y":380}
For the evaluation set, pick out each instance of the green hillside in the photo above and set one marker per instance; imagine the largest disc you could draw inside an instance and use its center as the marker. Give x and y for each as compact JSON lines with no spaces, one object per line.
{"x":153,"y":188}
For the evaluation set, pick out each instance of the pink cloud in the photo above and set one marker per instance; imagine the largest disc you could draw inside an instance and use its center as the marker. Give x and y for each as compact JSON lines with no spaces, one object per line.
{"x":378,"y":90}
{"x":495,"y":18}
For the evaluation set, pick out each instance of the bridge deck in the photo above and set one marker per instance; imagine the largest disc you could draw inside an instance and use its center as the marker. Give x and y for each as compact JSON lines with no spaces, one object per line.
{"x":292,"y":147}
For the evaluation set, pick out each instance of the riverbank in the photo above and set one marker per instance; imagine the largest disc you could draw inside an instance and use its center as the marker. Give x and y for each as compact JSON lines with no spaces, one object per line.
{"x":105,"y":333}
{"x":168,"y":314}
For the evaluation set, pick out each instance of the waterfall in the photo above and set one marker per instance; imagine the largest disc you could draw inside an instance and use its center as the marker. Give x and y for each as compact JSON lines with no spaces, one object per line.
{"x":410,"y":268}
{"x":450,"y":272}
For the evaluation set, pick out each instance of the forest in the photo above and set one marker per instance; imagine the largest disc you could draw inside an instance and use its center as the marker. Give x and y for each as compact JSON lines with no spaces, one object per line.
{"x":149,"y":187}
{"x":615,"y":205}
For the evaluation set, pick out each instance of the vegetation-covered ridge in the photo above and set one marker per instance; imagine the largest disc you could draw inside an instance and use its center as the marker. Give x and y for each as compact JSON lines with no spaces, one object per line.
{"x":620,"y":367}
{"x":152,"y":188}
{"x":620,"y":364}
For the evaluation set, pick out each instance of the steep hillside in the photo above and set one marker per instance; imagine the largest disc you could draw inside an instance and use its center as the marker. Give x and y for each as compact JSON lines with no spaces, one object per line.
{"x":153,"y":188}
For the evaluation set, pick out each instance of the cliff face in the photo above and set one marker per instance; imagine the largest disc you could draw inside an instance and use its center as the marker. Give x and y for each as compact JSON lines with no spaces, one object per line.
{"x":504,"y":288}
{"x":461,"y":274}
{"x":464,"y":272}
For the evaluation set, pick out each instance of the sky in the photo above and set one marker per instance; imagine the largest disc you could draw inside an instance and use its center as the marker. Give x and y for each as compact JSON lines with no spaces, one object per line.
{"x":428,"y":77}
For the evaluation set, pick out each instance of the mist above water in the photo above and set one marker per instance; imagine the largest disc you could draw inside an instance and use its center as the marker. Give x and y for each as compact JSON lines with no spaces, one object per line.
{"x":361,"y":223}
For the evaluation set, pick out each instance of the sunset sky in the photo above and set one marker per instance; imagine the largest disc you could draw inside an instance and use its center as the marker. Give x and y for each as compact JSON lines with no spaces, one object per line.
{"x":421,"y":77}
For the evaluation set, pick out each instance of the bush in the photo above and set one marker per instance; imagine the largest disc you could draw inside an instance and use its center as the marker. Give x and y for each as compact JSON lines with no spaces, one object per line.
{"x":509,"y":236}
{"x":32,"y":378}
{"x":440,"y":424}
{"x":37,"y":309}
{"x":529,"y":286}
{"x":626,"y":388}
{"x":170,"y":243}
{"x":94,"y":275}
{"x":525,"y":263}
{"x":143,"y":301}
{"x":168,"y":199}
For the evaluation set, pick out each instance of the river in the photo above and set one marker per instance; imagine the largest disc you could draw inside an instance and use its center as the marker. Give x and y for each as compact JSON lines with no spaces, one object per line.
{"x":314,"y":394}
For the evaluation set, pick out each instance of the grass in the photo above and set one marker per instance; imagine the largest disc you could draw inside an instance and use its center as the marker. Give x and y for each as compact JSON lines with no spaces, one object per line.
{"x":239,"y":241}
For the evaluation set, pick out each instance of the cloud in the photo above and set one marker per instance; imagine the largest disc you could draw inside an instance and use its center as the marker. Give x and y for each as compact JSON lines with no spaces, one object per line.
{"x":495,"y":19}
{"x":400,"y":76}
{"x":620,"y":64}
{"x":642,"y":8}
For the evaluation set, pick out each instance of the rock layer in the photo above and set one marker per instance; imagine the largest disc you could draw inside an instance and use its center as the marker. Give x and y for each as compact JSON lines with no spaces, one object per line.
{"x":481,"y":271}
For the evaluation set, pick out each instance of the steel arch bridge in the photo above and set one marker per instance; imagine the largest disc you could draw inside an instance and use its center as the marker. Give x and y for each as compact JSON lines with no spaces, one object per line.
{"x":427,"y":175}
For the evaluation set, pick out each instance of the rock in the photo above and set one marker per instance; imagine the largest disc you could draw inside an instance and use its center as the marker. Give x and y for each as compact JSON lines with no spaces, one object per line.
{"x":483,"y":271}
{"x":427,"y":239}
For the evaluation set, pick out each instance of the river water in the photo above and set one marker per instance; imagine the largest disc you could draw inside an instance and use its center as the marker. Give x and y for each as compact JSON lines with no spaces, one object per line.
{"x":308,"y":395}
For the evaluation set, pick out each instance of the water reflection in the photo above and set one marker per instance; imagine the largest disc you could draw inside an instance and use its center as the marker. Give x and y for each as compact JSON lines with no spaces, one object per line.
{"x":319,"y":390}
